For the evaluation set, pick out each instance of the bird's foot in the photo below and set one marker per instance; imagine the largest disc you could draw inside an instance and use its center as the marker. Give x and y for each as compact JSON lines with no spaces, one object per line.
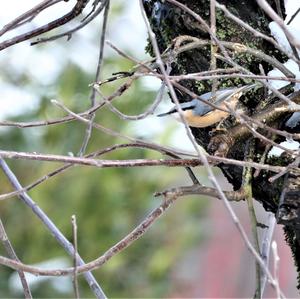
{"x":217,"y":131}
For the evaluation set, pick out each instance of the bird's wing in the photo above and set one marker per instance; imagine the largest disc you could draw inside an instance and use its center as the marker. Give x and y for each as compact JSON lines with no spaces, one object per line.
{"x":201,"y":108}
{"x":225,"y":94}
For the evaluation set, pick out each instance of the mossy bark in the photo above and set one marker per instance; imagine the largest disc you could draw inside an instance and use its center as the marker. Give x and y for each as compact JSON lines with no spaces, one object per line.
{"x":169,"y":22}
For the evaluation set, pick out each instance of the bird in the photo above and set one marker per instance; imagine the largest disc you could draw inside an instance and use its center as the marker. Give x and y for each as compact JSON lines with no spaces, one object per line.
{"x":199,"y":114}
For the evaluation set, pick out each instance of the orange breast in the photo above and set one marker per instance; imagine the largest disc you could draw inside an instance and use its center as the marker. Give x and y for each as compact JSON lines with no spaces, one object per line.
{"x":207,"y":120}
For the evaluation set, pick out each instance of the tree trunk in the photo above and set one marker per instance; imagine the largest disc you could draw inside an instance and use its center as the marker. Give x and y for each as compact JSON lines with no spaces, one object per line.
{"x":169,"y":22}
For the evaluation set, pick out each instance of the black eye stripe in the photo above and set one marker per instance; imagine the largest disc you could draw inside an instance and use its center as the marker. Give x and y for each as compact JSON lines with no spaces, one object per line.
{"x":188,"y":108}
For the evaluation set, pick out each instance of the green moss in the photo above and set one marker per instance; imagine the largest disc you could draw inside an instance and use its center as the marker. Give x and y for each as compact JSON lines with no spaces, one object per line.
{"x":227,"y":29}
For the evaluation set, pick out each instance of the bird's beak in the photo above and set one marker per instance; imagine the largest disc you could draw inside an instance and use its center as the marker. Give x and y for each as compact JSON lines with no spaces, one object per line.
{"x":167,"y":113}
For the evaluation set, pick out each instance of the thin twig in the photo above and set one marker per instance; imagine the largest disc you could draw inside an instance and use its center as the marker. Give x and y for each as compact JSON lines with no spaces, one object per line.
{"x":89,"y":128}
{"x":293,"y":16}
{"x":28,"y":15}
{"x":265,"y":247}
{"x":268,"y":85}
{"x":69,"y":33}
{"x":201,"y":190}
{"x":75,"y":260}
{"x":213,"y":47}
{"x":276,"y":268}
{"x":293,"y":165}
{"x":272,"y":14}
{"x":98,"y":153}
{"x":247,"y":187}
{"x":257,"y":33}
{"x":150,"y":110}
{"x":11,"y":253}
{"x":278,"y":8}
{"x":77,"y":10}
{"x":134,"y":235}
{"x":124,"y":163}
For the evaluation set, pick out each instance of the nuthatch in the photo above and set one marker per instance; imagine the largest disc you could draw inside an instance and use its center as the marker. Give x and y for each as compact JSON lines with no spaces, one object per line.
{"x":200,"y":115}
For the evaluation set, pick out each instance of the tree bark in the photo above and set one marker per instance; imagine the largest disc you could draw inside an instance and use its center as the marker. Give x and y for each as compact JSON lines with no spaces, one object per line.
{"x":169,"y":22}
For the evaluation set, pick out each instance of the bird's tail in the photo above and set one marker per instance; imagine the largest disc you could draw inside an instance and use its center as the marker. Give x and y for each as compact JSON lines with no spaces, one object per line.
{"x":246,"y":88}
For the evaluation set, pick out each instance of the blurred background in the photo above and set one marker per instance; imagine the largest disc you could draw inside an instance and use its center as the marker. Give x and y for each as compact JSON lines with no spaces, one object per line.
{"x":193,"y":251}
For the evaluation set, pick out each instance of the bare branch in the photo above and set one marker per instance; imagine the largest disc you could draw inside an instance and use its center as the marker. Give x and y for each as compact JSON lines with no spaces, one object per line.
{"x":75,"y":244}
{"x":28,"y":16}
{"x":77,"y":10}
{"x":61,"y":239}
{"x":11,"y":253}
{"x":89,"y":128}
{"x":134,"y":235}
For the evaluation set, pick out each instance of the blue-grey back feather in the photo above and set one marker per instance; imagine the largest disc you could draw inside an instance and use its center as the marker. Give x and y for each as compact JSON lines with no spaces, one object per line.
{"x":200,"y":108}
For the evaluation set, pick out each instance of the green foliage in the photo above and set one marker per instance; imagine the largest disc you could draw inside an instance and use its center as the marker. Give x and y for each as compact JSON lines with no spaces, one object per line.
{"x":108,"y":203}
